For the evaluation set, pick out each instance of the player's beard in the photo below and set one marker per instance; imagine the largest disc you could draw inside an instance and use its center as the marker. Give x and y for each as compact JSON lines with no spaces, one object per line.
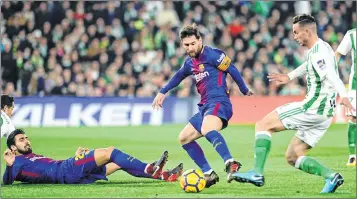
{"x":196,"y":53}
{"x":25,"y":152}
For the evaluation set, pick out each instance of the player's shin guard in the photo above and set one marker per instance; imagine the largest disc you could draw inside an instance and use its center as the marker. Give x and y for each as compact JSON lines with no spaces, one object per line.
{"x":312,"y":166}
{"x":195,"y":152}
{"x":218,"y":142}
{"x":126,"y":161}
{"x":352,"y":138}
{"x":261,"y":150}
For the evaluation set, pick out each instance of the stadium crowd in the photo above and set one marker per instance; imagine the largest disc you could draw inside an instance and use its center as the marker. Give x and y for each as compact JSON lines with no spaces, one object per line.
{"x":132,"y":48}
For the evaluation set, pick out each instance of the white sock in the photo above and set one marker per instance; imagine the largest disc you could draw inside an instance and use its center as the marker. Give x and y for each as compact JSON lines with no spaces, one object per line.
{"x":208,"y":172}
{"x":228,"y":161}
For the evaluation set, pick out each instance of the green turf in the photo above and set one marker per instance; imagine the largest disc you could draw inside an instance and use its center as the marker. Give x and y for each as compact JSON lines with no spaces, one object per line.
{"x":147,"y":144}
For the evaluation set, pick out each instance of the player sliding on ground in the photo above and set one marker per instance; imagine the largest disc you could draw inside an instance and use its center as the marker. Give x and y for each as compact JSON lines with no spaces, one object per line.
{"x":86,"y":167}
{"x":348,"y":44}
{"x":209,"y":66}
{"x":310,"y":117}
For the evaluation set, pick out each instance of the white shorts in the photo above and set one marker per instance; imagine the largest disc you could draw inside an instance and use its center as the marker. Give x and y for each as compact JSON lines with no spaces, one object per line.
{"x":352,"y":97}
{"x":310,"y":127}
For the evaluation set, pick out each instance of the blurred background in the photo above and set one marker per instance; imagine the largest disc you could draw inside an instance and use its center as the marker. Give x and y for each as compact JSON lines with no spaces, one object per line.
{"x":131,"y":49}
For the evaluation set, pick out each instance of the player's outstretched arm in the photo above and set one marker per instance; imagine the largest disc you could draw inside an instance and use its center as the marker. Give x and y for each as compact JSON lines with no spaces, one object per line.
{"x":9,"y":158}
{"x":174,"y":81}
{"x":285,"y":78}
{"x":235,"y":74}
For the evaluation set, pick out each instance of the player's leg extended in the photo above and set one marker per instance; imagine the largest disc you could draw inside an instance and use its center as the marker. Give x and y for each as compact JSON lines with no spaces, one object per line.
{"x":264,"y":128}
{"x":295,"y":156}
{"x":351,"y":141}
{"x":210,"y":127}
{"x":187,"y":139}
{"x":127,"y":162}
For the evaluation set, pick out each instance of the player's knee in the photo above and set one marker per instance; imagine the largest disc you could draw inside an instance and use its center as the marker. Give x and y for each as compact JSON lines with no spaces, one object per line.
{"x":183,"y":139}
{"x":109,"y":151}
{"x":262,"y":125}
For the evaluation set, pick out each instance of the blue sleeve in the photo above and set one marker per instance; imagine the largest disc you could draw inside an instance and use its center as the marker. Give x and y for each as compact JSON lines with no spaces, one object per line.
{"x":9,"y":175}
{"x":219,"y":59}
{"x":180,"y":75}
{"x":235,"y":74}
{"x":223,"y":63}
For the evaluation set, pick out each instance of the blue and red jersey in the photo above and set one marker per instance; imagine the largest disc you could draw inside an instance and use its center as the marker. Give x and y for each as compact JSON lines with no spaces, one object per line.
{"x":210,"y":70}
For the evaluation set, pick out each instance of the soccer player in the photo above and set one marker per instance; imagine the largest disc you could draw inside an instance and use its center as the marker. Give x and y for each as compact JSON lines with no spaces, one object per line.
{"x":348,"y":44}
{"x":209,"y":66}
{"x":86,"y":167}
{"x":310,"y":117}
{"x":7,"y":107}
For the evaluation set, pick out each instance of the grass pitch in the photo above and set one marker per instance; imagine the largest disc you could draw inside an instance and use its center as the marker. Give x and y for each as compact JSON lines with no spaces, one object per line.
{"x":147,"y":143}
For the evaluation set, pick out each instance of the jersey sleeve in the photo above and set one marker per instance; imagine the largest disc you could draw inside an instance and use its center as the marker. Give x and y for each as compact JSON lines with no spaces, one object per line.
{"x":324,"y":65}
{"x":323,"y":62}
{"x":180,"y":75}
{"x":345,"y":45}
{"x":11,"y":172}
{"x":220,"y":59}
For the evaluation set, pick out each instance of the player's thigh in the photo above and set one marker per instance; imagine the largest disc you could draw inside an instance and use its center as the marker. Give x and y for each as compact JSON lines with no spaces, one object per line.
{"x":270,"y":123}
{"x":102,"y":155}
{"x":216,"y":116}
{"x":211,"y":123}
{"x":296,"y":148}
{"x":352,"y":97}
{"x":111,"y":168}
{"x":188,"y":134}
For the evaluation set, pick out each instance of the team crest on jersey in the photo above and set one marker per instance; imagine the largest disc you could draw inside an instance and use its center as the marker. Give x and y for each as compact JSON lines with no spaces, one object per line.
{"x":321,"y":63}
{"x":201,"y":67}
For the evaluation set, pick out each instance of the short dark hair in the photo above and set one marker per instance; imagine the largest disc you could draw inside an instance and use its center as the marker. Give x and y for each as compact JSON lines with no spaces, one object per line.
{"x":190,"y":30}
{"x":6,"y":100}
{"x":304,"y":19}
{"x":11,"y":139}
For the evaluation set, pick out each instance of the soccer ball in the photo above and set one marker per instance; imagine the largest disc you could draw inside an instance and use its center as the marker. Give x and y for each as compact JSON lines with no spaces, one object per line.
{"x":192,"y":181}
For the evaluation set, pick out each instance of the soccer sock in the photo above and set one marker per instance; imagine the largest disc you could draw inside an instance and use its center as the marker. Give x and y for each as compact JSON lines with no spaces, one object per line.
{"x":261,"y":150}
{"x":136,"y":173}
{"x":195,"y":152}
{"x":312,"y":166}
{"x":126,"y":161}
{"x":352,"y":138}
{"x":218,"y":142}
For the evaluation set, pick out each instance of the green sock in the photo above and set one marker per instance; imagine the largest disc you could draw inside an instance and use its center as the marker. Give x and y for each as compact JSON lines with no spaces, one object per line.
{"x":261,"y":150}
{"x":312,"y":166}
{"x":352,"y":138}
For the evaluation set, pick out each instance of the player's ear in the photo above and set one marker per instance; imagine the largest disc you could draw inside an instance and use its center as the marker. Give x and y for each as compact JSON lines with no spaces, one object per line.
{"x":13,"y":148}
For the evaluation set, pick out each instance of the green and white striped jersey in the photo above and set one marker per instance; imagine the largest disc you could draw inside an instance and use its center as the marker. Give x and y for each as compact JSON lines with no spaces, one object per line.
{"x":321,"y":93}
{"x":348,"y":44}
{"x":6,"y":125}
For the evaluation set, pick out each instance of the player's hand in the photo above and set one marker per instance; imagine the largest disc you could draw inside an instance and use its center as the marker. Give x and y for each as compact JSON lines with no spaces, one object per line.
{"x":9,"y":157}
{"x":278,"y":78}
{"x":158,"y":101}
{"x":250,"y":92}
{"x":347,"y":103}
{"x":81,"y":150}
